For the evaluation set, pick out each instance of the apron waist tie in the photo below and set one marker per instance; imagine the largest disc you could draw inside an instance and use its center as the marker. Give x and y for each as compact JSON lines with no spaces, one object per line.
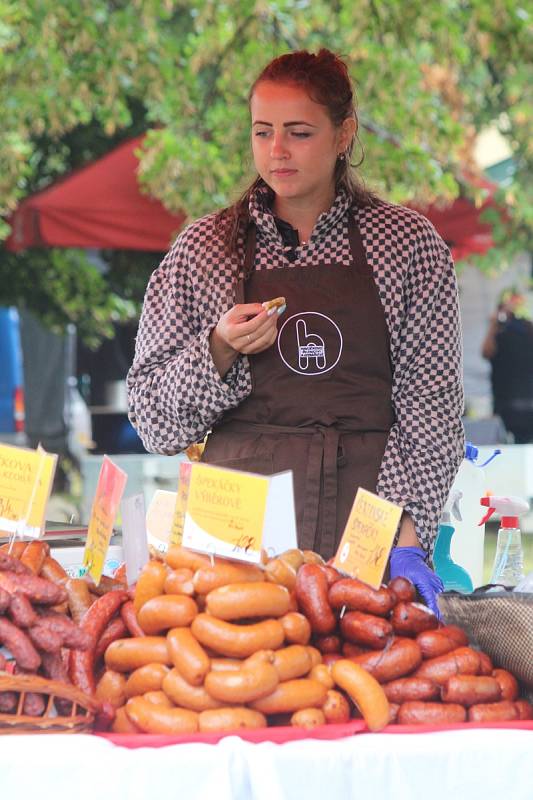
{"x":322,"y":459}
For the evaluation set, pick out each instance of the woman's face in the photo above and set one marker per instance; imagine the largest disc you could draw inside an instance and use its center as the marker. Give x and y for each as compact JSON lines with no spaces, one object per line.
{"x":295,"y":145}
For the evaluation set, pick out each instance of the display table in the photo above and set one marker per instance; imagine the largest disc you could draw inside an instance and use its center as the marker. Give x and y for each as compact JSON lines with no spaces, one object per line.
{"x":472,"y":763}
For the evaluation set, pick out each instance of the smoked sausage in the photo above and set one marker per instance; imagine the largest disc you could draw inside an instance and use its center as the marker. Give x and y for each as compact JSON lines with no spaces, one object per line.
{"x":248,"y":600}
{"x":237,"y":641}
{"x":358,"y":596}
{"x":461,"y":661}
{"x":503,"y":711}
{"x":403,"y":690}
{"x":439,"y":641}
{"x":366,"y":629}
{"x":409,"y":619}
{"x":156,"y":718}
{"x":188,"y":655}
{"x":421,"y":713}
{"x":312,"y":595}
{"x":401,"y":658}
{"x":469,"y":690}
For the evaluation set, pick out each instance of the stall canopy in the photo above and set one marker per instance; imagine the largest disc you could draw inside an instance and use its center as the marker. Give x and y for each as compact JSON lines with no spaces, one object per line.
{"x":101,"y":206}
{"x":98,"y":206}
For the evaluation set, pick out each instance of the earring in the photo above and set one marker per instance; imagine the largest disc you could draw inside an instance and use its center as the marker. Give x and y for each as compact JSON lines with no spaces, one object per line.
{"x":342,"y":156}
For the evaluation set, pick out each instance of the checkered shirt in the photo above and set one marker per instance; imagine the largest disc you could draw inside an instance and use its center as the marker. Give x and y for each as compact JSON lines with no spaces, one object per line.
{"x":176,"y":394}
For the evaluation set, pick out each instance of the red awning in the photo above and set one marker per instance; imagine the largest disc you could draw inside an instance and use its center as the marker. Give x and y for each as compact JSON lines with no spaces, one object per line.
{"x":98,"y":206}
{"x":101,"y":206}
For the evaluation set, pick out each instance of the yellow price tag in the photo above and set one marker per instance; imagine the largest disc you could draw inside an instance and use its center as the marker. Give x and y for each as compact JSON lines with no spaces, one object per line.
{"x":367,"y":539}
{"x":225,"y":513}
{"x":26,"y":478}
{"x":111,"y":483}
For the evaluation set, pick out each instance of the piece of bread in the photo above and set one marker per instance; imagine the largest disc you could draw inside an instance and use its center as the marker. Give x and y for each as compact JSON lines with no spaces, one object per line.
{"x":277,"y":302}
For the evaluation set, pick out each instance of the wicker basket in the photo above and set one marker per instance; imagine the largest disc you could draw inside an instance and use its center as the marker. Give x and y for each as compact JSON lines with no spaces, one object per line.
{"x":81,"y":708}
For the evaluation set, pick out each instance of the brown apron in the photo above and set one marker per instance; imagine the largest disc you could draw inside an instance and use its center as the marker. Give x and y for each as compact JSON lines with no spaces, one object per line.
{"x":321,"y":402}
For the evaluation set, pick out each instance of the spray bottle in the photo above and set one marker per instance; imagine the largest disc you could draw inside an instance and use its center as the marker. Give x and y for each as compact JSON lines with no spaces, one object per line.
{"x":453,"y":576}
{"x":508,"y":568}
{"x":468,"y":541}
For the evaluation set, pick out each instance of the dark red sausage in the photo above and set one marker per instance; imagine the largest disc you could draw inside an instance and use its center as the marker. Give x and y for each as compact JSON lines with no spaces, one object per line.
{"x":503,"y":711}
{"x":461,"y":661}
{"x":9,"y":562}
{"x":409,"y":619}
{"x":5,"y":599}
{"x":327,"y":644}
{"x":116,"y":629}
{"x":402,"y":589}
{"x":45,"y":639}
{"x":8,"y":702}
{"x":332,"y":574}
{"x":358,"y":596}
{"x":403,"y":690}
{"x":469,"y":690}
{"x":312,"y":595}
{"x":401,"y":658}
{"x":350,"y":649}
{"x":420,"y":713}
{"x":440,"y":641}
{"x":366,"y":629}
{"x":129,"y":617}
{"x":39,"y":590}
{"x":21,"y":611}
{"x":485,"y":663}
{"x":20,"y":646}
{"x":524,"y":709}
{"x":508,"y":684}
{"x":81,"y":664}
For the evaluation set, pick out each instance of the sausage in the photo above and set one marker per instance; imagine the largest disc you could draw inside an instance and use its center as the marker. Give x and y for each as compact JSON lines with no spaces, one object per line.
{"x":358,"y":596}
{"x":148,"y":678}
{"x":183,"y":694}
{"x":308,"y":718}
{"x":125,"y":655}
{"x":316,"y":655}
{"x":150,"y":583}
{"x":469,"y":690}
{"x":237,"y":641}
{"x":34,"y":704}
{"x":122,"y":723}
{"x":290,"y":696}
{"x":230,"y":719}
{"x":248,"y":600}
{"x":188,"y":655}
{"x":53,"y":570}
{"x":166,"y":611}
{"x":5,"y":599}
{"x":105,"y":584}
{"x":45,"y":639}
{"x":11,"y":563}
{"x":21,"y":611}
{"x":81,"y":662}
{"x":33,"y":556}
{"x":224,"y":664}
{"x":178,"y":556}
{"x":8,"y":702}
{"x":402,"y":589}
{"x":403,"y":690}
{"x":153,"y":718}
{"x":240,"y":686}
{"x":350,"y":649}
{"x":72,"y":635}
{"x":461,"y":661}
{"x":79,"y":598}
{"x":40,"y":590}
{"x":327,"y":644}
{"x":440,"y":641}
{"x":365,"y":692}
{"x":400,"y":659}
{"x":486,"y":666}
{"x":129,"y":618}
{"x":524,"y":709}
{"x":294,"y":557}
{"x":116,"y":629}
{"x":409,"y":619}
{"x":366,"y":629}
{"x":111,"y":688}
{"x":329,"y":658}
{"x":322,"y":673}
{"x":292,"y":662}
{"x":310,"y":557}
{"x":159,"y":698}
{"x":19,"y":645}
{"x":508,"y":684}
{"x":393,"y":712}
{"x":208,"y":578}
{"x":296,"y":628}
{"x":312,"y":595}
{"x":336,"y":708}
{"x":179,"y":581}
{"x":54,"y":667}
{"x":419,"y":713}
{"x":503,"y":711}
{"x":281,"y":572}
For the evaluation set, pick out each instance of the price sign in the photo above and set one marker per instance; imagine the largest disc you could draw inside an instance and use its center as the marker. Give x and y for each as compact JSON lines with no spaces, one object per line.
{"x":26,"y":478}
{"x":111,"y":483}
{"x":367,"y":539}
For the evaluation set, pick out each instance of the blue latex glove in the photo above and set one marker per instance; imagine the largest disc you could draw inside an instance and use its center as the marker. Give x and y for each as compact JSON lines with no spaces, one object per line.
{"x":410,"y":563}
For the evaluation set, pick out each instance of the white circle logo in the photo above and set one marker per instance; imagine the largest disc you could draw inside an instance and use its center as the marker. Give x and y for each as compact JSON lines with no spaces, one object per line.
{"x":310,"y":343}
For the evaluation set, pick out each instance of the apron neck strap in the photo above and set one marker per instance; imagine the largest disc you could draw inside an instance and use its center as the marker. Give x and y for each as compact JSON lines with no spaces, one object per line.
{"x":356,"y":245}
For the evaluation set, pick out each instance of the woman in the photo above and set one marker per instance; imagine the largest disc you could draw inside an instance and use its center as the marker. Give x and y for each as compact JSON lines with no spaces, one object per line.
{"x":359,"y":382}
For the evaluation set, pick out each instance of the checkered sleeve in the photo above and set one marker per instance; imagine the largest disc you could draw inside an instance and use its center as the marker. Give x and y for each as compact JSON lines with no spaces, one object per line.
{"x":175,"y":393}
{"x":425,"y":445}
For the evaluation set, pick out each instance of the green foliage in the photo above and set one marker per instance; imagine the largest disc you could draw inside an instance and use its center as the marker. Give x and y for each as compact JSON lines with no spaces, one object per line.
{"x":76,"y":76}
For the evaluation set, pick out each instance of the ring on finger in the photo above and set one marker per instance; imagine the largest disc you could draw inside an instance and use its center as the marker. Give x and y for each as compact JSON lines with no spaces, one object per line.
{"x":249,"y":338}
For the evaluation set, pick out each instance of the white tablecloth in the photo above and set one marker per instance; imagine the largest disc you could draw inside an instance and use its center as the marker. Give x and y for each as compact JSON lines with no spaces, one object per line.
{"x":478,"y":764}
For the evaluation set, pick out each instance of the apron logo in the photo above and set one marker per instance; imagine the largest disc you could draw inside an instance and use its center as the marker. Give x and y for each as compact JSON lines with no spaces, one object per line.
{"x":310,"y":343}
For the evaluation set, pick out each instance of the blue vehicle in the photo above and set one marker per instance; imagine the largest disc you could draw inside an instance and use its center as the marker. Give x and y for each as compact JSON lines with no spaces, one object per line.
{"x":11,"y":379}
